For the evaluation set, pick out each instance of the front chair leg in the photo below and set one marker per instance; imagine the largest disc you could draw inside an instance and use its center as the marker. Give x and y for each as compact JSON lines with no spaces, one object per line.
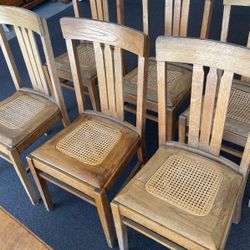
{"x":41,"y":185}
{"x":23,"y":176}
{"x":121,"y":229}
{"x":104,"y":212}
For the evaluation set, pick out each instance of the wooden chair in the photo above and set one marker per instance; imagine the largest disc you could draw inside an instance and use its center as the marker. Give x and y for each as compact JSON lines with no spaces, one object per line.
{"x":87,"y":157}
{"x":176,"y":24}
{"x":30,"y":112}
{"x":187,"y":194}
{"x":237,"y":124}
{"x":85,"y":50}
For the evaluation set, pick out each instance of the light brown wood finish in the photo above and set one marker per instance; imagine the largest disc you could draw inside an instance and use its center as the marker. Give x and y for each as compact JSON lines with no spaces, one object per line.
{"x":237,"y":125}
{"x":28,"y":122}
{"x":14,"y":235}
{"x":157,"y":202}
{"x":176,"y":24}
{"x":86,"y":171}
{"x":99,"y":11}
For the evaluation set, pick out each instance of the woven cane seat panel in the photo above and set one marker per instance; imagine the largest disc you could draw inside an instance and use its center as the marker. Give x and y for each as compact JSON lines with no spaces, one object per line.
{"x":179,"y":82}
{"x":20,"y":111}
{"x":239,"y":106}
{"x":90,"y":142}
{"x":172,"y":76}
{"x":186,"y":183}
{"x":86,"y":54}
{"x":87,"y":64}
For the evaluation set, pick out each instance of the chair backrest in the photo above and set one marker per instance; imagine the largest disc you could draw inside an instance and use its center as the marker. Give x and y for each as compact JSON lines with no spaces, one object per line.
{"x":228,"y":4}
{"x":177,"y":16}
{"x":209,"y":97}
{"x":26,"y":24}
{"x":100,"y":10}
{"x":109,"y":40}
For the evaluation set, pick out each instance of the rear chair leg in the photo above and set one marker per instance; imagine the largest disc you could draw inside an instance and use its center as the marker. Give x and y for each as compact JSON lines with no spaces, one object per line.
{"x":171,"y":124}
{"x":23,"y":176}
{"x":141,"y":152}
{"x":41,"y":185}
{"x":182,"y":129}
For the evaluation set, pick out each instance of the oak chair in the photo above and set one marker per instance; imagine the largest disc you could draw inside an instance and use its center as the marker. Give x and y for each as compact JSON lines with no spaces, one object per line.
{"x":237,"y":124}
{"x":187,"y":195}
{"x":30,"y":112}
{"x":85,"y":50}
{"x":87,"y":157}
{"x":176,"y":24}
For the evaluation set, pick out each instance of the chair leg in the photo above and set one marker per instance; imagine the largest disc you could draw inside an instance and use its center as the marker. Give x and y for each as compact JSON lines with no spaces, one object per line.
{"x":65,"y":118}
{"x":141,"y":152}
{"x":93,"y":94}
{"x":238,"y":208}
{"x":171,"y":124}
{"x":182,"y":129}
{"x":41,"y":185}
{"x":104,"y":212}
{"x":47,"y":76}
{"x":23,"y":176}
{"x":121,"y":229}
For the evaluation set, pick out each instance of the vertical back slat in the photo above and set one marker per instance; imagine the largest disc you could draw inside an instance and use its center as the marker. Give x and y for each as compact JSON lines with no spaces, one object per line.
{"x":120,"y":11}
{"x":105,"y":10}
{"x":30,"y":53}
{"x":119,"y":83}
{"x":100,"y":12}
{"x":10,"y":59}
{"x":76,"y":75}
{"x":37,"y":60}
{"x":109,"y":64}
{"x":195,"y":106}
{"x":208,"y":109}
{"x":168,"y":17}
{"x":76,"y":8}
{"x":100,"y":67}
{"x":184,"y":17}
{"x":225,"y":23}
{"x":162,"y":101}
{"x":145,"y":17}
{"x":141,"y":94}
{"x":22,"y":45}
{"x":177,"y":17}
{"x":206,"y":20}
{"x":93,"y":7}
{"x":221,"y":112}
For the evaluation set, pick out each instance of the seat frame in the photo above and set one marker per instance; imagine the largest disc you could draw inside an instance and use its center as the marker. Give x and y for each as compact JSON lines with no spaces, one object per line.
{"x":108,"y":39}
{"x":205,"y":135}
{"x":31,"y":23}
